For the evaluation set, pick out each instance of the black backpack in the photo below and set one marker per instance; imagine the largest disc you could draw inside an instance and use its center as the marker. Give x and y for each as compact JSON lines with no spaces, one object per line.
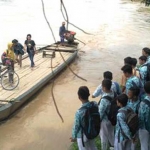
{"x":112,"y":115}
{"x":132,"y":121}
{"x":90,"y":121}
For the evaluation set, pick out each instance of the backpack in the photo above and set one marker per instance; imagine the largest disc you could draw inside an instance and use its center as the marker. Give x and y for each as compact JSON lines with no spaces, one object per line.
{"x":90,"y":121}
{"x":132,"y":121}
{"x":145,"y":101}
{"x":140,"y":87}
{"x":137,"y":108}
{"x":112,"y":115}
{"x":148,"y":72}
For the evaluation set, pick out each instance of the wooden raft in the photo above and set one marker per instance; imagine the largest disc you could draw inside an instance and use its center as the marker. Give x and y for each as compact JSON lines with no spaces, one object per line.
{"x":28,"y":77}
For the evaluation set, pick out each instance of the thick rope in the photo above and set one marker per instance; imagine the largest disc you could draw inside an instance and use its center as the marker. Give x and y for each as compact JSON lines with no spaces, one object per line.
{"x":52,"y":91}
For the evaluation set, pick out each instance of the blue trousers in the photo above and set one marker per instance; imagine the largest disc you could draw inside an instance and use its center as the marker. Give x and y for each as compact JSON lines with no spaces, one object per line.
{"x":31,"y":56}
{"x":62,"y":39}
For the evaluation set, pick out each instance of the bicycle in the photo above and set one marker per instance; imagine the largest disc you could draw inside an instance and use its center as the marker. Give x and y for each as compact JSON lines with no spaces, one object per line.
{"x":9,"y":78}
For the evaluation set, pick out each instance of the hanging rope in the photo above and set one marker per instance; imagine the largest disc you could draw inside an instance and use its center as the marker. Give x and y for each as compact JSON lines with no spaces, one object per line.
{"x":57,"y":45}
{"x":67,"y":20}
{"x":52,"y":91}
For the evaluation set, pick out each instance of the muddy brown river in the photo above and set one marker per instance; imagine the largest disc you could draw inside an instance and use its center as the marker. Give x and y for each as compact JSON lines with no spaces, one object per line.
{"x":120,"y":28}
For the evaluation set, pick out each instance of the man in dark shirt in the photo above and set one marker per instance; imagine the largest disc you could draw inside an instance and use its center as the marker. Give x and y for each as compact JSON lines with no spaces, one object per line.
{"x":29,"y":46}
{"x":62,"y":31}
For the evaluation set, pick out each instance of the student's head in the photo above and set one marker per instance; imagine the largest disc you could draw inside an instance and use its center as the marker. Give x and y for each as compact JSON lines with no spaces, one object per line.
{"x":107,"y":75}
{"x":133,"y":92}
{"x":29,"y":36}
{"x":106,"y":85}
{"x":14,"y":42}
{"x":83,"y":93}
{"x":146,"y":51}
{"x":128,"y":61}
{"x":127,"y":70}
{"x":142,"y":60}
{"x":63,"y":23}
{"x":147,"y":87}
{"x":122,"y":100}
{"x":134,"y":62}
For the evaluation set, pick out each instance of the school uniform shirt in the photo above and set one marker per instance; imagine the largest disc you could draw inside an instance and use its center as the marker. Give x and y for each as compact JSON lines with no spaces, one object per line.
{"x":100,"y":92}
{"x":143,"y":73}
{"x":104,"y":106}
{"x":148,"y":60}
{"x":144,"y":115}
{"x":122,"y":126}
{"x":134,"y":105}
{"x":76,"y":131}
{"x":131,"y":81}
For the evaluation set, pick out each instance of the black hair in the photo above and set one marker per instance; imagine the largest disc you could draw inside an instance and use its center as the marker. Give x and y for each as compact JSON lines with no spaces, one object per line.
{"x":146,"y":50}
{"x":134,"y":62}
{"x":128,"y":60}
{"x":143,"y":58}
{"x":135,"y":91}
{"x":83,"y":92}
{"x":127,"y":69}
{"x":107,"y":84}
{"x":123,"y":99}
{"x":29,"y":35}
{"x":107,"y":75}
{"x":147,"y":87}
{"x":14,"y":41}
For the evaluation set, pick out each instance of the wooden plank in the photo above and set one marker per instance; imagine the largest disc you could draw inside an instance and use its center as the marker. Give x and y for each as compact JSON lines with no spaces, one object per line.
{"x":33,"y":76}
{"x":61,"y":50}
{"x":27,"y":86}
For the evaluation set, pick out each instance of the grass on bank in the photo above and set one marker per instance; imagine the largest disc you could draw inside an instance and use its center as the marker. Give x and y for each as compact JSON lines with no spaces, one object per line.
{"x":98,"y":144}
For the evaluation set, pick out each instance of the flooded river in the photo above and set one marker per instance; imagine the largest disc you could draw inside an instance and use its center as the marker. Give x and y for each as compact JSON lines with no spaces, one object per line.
{"x":120,"y":28}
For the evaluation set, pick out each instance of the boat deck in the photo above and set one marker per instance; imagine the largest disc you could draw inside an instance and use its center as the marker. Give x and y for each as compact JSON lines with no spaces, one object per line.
{"x":29,"y":77}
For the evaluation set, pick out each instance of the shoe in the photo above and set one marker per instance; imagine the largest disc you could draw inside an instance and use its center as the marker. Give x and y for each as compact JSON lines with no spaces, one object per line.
{"x":111,"y":148}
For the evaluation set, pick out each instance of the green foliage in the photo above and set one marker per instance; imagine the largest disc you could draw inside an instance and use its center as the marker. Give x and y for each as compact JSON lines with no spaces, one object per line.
{"x":98,"y":144}
{"x":97,"y":141}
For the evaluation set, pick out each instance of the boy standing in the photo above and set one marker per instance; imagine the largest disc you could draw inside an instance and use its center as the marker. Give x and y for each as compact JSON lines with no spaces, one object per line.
{"x":83,"y":94}
{"x":107,"y":129}
{"x":143,"y":69}
{"x":122,"y":134}
{"x":144,"y":119}
{"x":62,"y":31}
{"x":132,"y":81}
{"x":115,"y":86}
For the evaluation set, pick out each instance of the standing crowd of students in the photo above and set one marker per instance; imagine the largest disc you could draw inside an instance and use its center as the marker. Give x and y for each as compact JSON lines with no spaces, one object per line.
{"x":132,"y":100}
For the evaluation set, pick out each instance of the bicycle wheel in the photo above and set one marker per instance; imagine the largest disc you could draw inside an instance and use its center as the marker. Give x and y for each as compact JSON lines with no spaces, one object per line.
{"x":9,"y":80}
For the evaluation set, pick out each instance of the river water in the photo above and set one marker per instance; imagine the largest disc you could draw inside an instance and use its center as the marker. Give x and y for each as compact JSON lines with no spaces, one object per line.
{"x":120,"y":28}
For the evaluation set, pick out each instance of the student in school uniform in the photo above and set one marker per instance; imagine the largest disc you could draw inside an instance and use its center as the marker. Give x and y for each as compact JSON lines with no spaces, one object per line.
{"x":144,"y":119}
{"x":122,"y":142}
{"x":132,"y":80}
{"x":83,"y":94}
{"x":133,"y":96}
{"x":146,"y":52}
{"x":107,"y":130}
{"x":143,"y":69}
{"x":134,"y":104}
{"x":115,"y":86}
{"x":132,"y":62}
